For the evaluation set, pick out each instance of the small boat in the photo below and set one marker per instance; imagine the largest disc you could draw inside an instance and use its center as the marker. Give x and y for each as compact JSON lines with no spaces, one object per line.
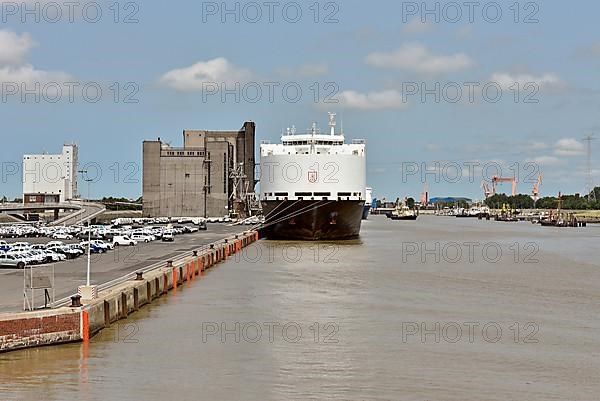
{"x":403,"y":212}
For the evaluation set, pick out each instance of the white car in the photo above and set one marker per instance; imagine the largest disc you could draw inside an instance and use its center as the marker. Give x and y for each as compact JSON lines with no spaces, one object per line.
{"x":62,"y":236}
{"x":142,"y":237}
{"x":12,"y":261}
{"x":168,"y":236}
{"x":104,"y":245}
{"x":55,"y":256}
{"x":24,"y":256}
{"x":20,"y":246}
{"x":120,"y":240}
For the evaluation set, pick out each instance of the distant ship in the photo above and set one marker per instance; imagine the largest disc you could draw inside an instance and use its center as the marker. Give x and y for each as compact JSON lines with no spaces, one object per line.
{"x":313,"y":185}
{"x":369,"y":200}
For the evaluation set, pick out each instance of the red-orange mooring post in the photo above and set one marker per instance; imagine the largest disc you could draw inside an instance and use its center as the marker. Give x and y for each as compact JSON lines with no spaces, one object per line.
{"x":85,"y":327}
{"x":174,"y":277}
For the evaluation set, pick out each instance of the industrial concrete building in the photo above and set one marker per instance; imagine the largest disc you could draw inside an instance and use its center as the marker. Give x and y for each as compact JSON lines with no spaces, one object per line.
{"x":203,"y":178}
{"x":50,"y":178}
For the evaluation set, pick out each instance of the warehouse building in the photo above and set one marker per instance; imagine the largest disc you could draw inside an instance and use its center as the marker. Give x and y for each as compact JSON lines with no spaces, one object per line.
{"x":50,"y":178}
{"x":203,"y":178}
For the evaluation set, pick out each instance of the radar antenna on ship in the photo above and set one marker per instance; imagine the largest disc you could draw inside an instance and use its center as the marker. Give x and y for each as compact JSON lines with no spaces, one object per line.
{"x":332,"y":123}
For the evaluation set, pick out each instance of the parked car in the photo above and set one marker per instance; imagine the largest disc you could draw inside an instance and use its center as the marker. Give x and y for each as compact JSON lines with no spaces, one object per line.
{"x":61,"y":235}
{"x":104,"y":245}
{"x":168,"y":236}
{"x":20,"y":246}
{"x":24,"y":256}
{"x":4,"y":246}
{"x":55,"y":256}
{"x":65,"y":250}
{"x":12,"y":261}
{"x":93,"y":247}
{"x":142,"y":237}
{"x":121,"y":240}
{"x":202,"y":226}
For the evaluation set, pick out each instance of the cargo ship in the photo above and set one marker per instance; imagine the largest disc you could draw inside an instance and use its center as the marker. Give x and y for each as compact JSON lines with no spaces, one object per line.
{"x":313,"y":185}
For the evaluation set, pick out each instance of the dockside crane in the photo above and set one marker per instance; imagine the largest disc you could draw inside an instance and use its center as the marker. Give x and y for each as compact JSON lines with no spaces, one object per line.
{"x":496,"y":180}
{"x":535,"y":191}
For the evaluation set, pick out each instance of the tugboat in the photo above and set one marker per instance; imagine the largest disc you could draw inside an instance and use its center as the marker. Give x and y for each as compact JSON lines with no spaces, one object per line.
{"x":403,"y":212}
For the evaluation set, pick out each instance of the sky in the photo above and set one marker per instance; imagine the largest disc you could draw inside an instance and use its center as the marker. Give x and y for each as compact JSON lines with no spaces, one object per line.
{"x":445,"y":94}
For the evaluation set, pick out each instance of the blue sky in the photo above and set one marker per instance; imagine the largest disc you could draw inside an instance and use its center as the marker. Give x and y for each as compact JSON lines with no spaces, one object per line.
{"x":369,"y":59}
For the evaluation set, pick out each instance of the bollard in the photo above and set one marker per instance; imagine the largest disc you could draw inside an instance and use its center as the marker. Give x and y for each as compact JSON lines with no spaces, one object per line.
{"x":139,"y":276}
{"x":76,"y":301}
{"x":195,"y":253}
{"x":169,"y":263}
{"x":212,"y":246}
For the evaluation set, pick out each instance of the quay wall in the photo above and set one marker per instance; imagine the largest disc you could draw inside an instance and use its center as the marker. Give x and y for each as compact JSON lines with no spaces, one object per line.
{"x":71,"y":324}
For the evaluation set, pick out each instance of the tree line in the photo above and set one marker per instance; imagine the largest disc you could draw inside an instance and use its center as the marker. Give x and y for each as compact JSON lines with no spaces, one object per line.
{"x":571,"y":202}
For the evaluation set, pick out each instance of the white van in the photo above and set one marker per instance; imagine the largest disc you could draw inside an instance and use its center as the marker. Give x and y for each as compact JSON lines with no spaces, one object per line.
{"x":120,"y":240}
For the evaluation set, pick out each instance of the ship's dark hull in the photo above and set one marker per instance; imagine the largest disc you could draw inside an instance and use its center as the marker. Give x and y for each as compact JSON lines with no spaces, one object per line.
{"x":405,"y":218}
{"x":312,"y":220}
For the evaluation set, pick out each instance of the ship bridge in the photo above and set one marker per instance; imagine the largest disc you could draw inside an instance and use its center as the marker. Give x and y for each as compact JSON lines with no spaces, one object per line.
{"x":313,"y":166}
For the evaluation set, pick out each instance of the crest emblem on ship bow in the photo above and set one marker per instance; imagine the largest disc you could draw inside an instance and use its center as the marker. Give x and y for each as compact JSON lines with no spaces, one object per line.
{"x":313,"y":177}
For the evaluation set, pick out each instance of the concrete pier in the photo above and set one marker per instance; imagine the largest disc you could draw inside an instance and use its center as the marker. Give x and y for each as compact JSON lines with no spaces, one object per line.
{"x":70,"y":324}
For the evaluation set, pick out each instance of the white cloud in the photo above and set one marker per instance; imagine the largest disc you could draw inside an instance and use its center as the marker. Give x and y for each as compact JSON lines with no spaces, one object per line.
{"x":193,"y":78}
{"x":306,"y":70}
{"x":28,"y":75}
{"x":569,"y":147}
{"x":418,"y":26}
{"x":14,"y":69}
{"x":548,"y":161}
{"x":387,"y":99}
{"x":544,"y":81}
{"x":14,"y":47}
{"x":417,"y":58}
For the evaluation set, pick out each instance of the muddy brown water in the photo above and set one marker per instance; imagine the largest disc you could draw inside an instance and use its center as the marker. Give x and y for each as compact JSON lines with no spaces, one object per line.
{"x":438,"y":309}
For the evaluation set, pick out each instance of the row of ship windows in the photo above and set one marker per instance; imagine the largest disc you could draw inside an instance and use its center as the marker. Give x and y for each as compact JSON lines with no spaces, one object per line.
{"x":317,"y":194}
{"x":354,"y":152}
{"x":172,"y":153}
{"x":287,"y":143}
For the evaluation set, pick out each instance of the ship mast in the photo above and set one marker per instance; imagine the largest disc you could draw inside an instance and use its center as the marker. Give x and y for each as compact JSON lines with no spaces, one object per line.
{"x":332,"y":123}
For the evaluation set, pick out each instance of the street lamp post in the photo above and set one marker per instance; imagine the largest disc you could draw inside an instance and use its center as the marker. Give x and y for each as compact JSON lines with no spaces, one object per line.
{"x":89,"y":250}
{"x":89,"y":291}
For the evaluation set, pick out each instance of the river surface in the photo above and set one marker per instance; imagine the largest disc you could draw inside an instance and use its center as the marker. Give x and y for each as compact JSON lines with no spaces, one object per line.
{"x":438,"y":309}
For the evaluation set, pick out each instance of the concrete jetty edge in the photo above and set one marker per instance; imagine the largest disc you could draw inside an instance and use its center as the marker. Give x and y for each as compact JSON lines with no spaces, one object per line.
{"x":74,"y":324}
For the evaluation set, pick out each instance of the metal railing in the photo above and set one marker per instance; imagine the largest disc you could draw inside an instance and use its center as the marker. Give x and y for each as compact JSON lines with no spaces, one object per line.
{"x":132,"y":275}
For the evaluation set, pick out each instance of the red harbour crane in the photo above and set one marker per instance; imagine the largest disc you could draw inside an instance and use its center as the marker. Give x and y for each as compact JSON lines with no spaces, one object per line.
{"x":496,"y":180}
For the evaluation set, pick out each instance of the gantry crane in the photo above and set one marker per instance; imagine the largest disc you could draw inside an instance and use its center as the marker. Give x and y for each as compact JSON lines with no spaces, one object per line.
{"x":496,"y":180}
